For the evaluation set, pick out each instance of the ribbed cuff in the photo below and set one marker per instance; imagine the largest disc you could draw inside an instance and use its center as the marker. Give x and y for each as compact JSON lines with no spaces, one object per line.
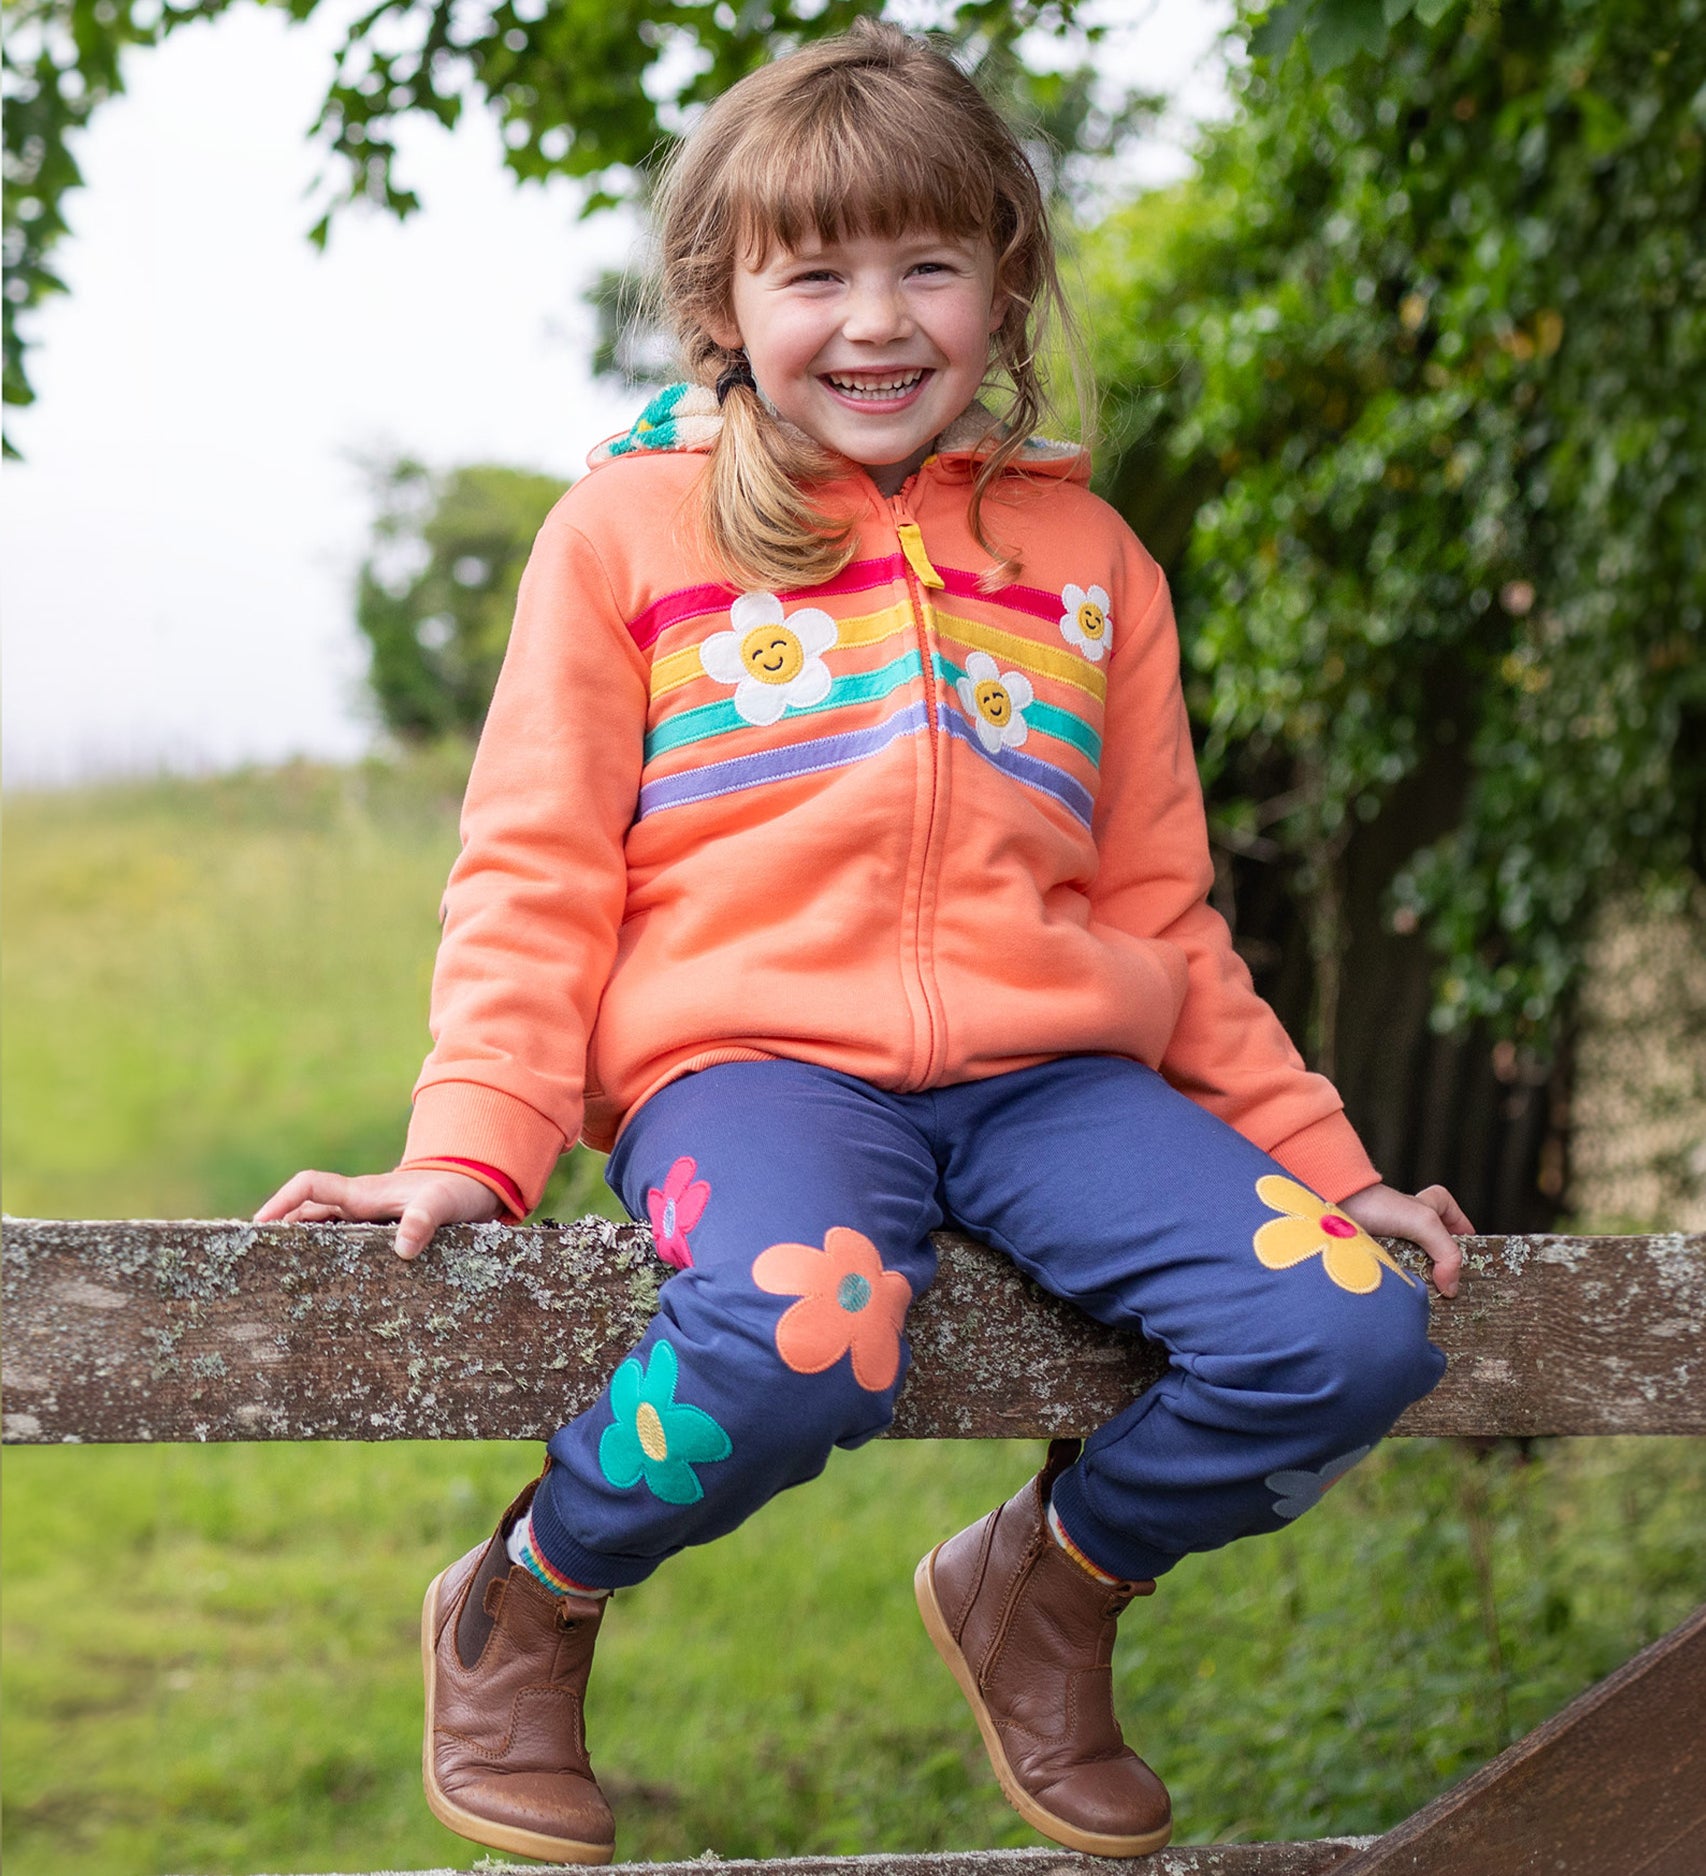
{"x":465,"y":1120}
{"x":1112,"y":1553}
{"x":569,"y":1556}
{"x":1327,"y":1157}
{"x":499,"y":1184}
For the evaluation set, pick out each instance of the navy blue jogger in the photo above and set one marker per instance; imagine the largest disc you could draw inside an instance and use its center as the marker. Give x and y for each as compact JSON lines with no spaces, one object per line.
{"x":797,"y":1204}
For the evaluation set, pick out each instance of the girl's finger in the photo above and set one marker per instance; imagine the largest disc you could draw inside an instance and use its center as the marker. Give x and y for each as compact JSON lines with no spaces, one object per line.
{"x":289,"y":1195}
{"x":1443,"y":1250}
{"x":415,"y":1228}
{"x":1455,"y":1219}
{"x":311,"y":1213}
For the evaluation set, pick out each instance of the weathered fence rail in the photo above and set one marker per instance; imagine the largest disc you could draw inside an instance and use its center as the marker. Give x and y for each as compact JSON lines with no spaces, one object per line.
{"x":168,"y":1331}
{"x":165,"y":1331}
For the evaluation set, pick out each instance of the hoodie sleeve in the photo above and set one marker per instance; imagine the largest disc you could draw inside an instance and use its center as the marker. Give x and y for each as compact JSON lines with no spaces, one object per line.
{"x":535,"y":901}
{"x":1228,"y":1050}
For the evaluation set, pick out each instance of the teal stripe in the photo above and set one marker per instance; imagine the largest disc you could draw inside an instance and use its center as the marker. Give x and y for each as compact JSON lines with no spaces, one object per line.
{"x":716,"y":719}
{"x":1062,"y":725}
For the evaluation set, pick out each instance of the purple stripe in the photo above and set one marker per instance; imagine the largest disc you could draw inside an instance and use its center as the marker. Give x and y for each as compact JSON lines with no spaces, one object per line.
{"x":1043,"y":776}
{"x":1030,"y":599}
{"x":779,"y":765}
{"x":694,"y":601}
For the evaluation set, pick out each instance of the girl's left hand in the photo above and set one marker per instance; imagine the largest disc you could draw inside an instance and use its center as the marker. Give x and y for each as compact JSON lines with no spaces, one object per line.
{"x":1433,"y":1219}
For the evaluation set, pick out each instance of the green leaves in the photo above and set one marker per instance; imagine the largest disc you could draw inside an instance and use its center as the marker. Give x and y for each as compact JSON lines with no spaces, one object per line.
{"x":435,"y":597}
{"x":1429,"y":348}
{"x":1335,"y":31}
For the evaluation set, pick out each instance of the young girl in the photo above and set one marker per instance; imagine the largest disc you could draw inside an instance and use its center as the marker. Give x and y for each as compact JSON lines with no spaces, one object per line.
{"x":835,"y":853}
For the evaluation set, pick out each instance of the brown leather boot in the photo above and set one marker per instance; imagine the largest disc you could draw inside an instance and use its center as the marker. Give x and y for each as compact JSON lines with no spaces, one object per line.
{"x":1030,"y":1638}
{"x":504,"y":1760}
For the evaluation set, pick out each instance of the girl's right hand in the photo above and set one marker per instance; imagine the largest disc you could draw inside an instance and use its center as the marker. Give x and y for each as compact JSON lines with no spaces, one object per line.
{"x":419,"y":1200}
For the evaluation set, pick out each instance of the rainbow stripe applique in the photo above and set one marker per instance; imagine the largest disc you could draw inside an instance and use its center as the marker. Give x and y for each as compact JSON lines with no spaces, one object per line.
{"x":700,"y":746}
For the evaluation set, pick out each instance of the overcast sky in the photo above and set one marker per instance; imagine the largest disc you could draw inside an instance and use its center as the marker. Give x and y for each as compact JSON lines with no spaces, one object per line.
{"x":179,"y":544}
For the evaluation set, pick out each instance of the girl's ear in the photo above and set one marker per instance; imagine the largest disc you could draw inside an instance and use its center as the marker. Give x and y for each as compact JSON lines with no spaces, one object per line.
{"x":726,"y":333}
{"x":998,"y":311}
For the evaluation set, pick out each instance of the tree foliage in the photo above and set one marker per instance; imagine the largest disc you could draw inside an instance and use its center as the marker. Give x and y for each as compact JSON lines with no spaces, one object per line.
{"x":1410,"y":389}
{"x":594,"y":89}
{"x":435,"y":597}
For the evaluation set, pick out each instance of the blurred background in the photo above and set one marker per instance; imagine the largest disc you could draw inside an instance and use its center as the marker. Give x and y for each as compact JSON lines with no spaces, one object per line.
{"x":1398,"y":319}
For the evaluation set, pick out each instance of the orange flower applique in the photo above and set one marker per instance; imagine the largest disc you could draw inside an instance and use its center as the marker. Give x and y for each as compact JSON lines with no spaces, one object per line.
{"x":848,"y":1303}
{"x":1352,"y":1258}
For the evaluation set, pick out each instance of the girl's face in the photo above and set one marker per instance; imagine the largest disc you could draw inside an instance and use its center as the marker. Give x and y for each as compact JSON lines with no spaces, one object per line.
{"x":872,"y":345}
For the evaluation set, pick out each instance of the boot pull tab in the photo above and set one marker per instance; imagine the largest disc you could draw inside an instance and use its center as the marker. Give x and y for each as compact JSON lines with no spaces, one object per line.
{"x":1129,"y":1592}
{"x":493,"y":1600}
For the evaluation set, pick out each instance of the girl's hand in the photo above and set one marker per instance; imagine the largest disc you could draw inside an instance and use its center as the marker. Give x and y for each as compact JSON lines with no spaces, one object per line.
{"x":421,"y":1201}
{"x":1433,"y":1219}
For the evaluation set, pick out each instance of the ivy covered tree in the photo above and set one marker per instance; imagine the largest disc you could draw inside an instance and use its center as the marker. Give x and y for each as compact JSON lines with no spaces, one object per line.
{"x":435,"y":597}
{"x":1408,"y":387}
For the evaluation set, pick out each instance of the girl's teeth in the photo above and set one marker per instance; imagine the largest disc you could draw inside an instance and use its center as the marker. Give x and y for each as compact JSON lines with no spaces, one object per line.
{"x":868,"y":388}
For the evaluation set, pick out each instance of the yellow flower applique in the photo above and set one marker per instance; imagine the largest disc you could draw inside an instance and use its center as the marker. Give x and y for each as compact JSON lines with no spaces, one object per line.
{"x":1311,"y":1226}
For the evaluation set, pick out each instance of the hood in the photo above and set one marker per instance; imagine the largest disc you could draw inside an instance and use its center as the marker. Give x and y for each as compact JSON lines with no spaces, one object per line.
{"x":686,"y":417}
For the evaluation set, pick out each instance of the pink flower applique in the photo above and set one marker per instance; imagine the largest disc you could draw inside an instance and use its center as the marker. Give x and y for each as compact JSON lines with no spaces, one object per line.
{"x":675,"y":1210}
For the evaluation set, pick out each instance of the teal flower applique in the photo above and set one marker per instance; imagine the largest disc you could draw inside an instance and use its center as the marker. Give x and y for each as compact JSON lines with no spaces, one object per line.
{"x":656,"y":1437}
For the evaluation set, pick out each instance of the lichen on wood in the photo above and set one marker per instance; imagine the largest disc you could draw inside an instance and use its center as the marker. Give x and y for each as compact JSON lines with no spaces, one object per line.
{"x":152,"y":1330}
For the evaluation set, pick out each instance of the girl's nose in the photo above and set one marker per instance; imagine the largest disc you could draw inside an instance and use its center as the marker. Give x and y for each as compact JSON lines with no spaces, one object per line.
{"x":876,"y":312}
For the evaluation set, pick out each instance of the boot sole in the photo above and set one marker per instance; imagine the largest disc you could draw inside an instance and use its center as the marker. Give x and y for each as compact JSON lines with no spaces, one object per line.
{"x":1091,"y":1842}
{"x":470,"y":1824}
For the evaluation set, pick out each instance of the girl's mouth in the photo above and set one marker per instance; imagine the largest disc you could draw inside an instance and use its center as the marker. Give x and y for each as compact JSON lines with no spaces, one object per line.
{"x":877,"y":390}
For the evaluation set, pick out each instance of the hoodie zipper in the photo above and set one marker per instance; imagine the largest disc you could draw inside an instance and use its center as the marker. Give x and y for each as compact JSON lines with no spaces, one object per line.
{"x":917,"y":960}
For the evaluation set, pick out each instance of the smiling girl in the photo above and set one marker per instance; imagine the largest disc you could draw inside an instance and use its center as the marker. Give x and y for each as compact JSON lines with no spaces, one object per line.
{"x":834,"y":854}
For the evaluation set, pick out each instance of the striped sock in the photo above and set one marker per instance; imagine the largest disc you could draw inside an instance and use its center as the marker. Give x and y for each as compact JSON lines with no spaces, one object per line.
{"x":524,"y":1550}
{"x":1058,"y":1532}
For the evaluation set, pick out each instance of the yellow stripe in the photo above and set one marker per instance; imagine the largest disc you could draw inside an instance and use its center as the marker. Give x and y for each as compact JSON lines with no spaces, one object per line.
{"x":871,"y":628}
{"x":680,"y":667}
{"x":1027,"y":653}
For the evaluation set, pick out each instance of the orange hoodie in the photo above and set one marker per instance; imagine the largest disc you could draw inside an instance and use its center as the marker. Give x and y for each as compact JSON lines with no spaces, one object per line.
{"x":894,"y":824}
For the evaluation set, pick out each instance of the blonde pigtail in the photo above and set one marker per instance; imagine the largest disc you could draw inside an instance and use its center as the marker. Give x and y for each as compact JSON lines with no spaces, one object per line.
{"x":756,"y":508}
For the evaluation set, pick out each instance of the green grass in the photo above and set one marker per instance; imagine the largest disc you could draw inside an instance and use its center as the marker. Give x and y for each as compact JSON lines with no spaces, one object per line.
{"x":210,"y":1655}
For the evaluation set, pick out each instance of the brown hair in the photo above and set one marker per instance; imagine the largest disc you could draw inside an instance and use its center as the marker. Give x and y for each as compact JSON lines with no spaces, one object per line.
{"x":873,"y":132}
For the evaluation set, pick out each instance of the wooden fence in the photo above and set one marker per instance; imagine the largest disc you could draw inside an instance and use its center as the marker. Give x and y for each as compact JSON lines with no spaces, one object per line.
{"x":146,"y":1331}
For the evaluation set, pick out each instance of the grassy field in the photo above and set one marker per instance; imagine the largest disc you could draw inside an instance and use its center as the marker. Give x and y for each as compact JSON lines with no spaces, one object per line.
{"x":210,"y":1653}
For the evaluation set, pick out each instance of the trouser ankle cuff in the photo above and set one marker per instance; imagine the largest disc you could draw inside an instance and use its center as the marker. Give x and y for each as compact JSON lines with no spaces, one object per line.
{"x":1118,"y":1555}
{"x":568,"y":1556}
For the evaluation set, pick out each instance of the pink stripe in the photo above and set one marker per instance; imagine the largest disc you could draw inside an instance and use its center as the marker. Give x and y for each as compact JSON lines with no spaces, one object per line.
{"x":693,"y":601}
{"x":858,"y":577}
{"x":674,"y":607}
{"x":1031,"y":599}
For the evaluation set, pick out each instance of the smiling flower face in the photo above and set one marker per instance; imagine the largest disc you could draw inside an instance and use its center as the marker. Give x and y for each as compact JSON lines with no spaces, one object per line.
{"x":654,"y":1436}
{"x":774,"y":661}
{"x":995,"y":701}
{"x":1085,"y":623}
{"x":848,"y":1303}
{"x":1311,"y":1226}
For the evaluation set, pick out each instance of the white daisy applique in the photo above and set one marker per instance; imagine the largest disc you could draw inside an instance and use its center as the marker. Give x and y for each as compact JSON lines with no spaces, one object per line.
{"x":1085,"y":624}
{"x":774,"y":660}
{"x":995,"y":701}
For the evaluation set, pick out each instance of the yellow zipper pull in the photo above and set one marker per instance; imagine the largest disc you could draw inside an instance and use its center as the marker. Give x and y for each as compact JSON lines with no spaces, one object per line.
{"x":912,"y":545}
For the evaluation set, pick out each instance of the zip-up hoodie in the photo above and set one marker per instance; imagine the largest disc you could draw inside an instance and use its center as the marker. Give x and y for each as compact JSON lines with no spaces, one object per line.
{"x":899,"y":824}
